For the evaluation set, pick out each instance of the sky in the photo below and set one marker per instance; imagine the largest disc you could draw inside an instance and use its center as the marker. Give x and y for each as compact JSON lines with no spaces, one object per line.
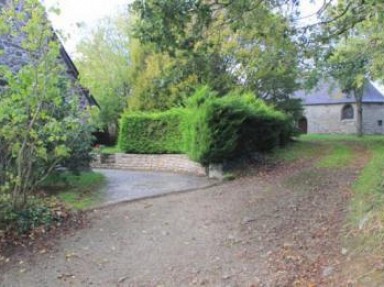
{"x":308,"y":10}
{"x":84,"y":12}
{"x":89,"y":12}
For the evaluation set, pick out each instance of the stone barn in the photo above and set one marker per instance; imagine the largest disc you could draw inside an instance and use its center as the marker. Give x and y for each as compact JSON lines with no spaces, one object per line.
{"x":14,"y":56}
{"x":328,"y":110}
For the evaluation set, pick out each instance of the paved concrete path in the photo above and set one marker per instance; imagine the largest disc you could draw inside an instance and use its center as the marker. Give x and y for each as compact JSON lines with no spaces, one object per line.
{"x":124,"y":185}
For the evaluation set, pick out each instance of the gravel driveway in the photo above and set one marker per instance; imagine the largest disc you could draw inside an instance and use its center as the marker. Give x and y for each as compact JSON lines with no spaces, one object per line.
{"x":275,"y":228}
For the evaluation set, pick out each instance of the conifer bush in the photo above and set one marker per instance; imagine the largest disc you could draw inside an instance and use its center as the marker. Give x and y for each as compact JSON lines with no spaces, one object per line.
{"x":217,"y":129}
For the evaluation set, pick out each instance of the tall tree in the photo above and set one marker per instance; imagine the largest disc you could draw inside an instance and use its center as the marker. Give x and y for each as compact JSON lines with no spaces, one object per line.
{"x":349,"y":65}
{"x":221,"y":43}
{"x":354,"y":43}
{"x":104,"y":66}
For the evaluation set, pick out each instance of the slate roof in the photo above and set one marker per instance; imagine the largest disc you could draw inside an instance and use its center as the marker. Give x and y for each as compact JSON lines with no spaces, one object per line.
{"x":72,"y":69}
{"x":327,"y":93}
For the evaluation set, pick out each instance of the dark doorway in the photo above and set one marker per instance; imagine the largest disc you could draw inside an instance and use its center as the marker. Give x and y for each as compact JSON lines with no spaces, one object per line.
{"x":303,"y":125}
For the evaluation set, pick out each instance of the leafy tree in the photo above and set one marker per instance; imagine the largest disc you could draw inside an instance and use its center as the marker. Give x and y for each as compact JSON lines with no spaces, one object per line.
{"x":220,"y":44}
{"x":349,"y":65}
{"x":340,"y":18}
{"x":265,"y":55}
{"x":104,"y":66}
{"x":180,"y":25}
{"x":41,"y":125}
{"x":354,"y":42}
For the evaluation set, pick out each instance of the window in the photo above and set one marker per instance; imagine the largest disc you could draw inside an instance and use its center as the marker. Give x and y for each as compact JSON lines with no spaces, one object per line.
{"x":380,"y":123}
{"x":347,"y":112}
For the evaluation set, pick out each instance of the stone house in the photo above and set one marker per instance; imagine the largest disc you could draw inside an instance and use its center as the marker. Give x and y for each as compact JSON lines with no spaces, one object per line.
{"x":14,"y":56}
{"x":328,"y":110}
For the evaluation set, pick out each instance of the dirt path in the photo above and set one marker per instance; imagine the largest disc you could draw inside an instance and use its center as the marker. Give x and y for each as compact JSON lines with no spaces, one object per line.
{"x":276,"y":228}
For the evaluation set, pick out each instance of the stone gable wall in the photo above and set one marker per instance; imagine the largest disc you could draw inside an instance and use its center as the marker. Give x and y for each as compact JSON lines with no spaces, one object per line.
{"x":326,"y":119}
{"x":14,"y":56}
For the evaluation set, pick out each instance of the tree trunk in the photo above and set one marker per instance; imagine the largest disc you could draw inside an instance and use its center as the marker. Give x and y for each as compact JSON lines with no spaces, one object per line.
{"x":19,"y":198}
{"x":112,"y":133}
{"x":359,"y":105}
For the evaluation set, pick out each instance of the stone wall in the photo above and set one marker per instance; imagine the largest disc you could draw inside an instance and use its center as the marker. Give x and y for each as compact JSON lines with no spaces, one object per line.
{"x":12,"y":54}
{"x":159,"y":162}
{"x":372,"y":115}
{"x":326,"y":119}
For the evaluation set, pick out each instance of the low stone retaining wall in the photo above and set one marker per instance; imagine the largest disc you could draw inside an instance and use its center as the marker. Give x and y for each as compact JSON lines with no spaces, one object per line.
{"x":156,"y":162}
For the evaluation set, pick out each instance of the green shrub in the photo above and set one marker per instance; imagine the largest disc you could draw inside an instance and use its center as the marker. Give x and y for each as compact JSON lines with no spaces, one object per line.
{"x":217,"y":129}
{"x":157,"y":132}
{"x":36,"y":213}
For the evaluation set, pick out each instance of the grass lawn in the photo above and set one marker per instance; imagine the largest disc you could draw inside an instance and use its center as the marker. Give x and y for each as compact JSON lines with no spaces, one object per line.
{"x":367,"y":205}
{"x":109,"y":149}
{"x":78,"y":191}
{"x":339,"y":155}
{"x":299,"y":149}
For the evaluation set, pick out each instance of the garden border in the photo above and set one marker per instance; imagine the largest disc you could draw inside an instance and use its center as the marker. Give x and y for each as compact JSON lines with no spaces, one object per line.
{"x":178,"y":163}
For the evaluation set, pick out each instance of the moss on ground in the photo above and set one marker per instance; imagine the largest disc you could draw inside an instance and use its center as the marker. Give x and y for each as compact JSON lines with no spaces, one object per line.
{"x":339,"y":156}
{"x":78,"y":191}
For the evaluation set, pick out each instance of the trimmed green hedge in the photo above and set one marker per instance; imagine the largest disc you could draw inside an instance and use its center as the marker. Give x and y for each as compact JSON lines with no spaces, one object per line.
{"x":210,"y":129}
{"x":219,"y":129}
{"x":156,"y":132}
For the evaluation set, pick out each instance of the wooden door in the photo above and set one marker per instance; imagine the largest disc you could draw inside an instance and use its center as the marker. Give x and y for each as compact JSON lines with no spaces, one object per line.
{"x":303,"y":125}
